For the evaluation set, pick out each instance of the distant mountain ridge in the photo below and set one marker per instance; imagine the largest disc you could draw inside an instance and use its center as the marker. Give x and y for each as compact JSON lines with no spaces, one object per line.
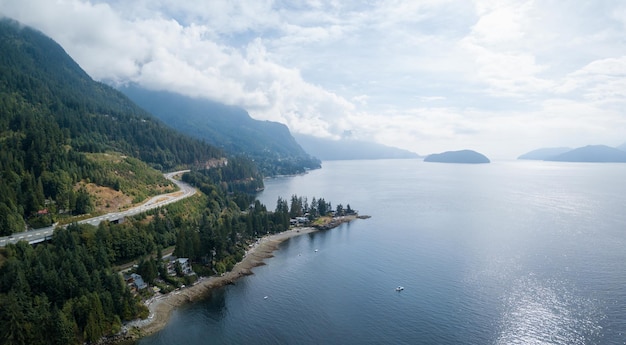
{"x":269,"y":144}
{"x":589,"y":154}
{"x":592,"y":153}
{"x":462,"y":156}
{"x":346,"y":149}
{"x":544,"y":153}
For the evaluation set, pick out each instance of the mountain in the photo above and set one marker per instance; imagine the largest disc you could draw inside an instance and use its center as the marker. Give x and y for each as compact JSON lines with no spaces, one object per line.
{"x":39,"y":78}
{"x":62,"y":136}
{"x":463,"y":156}
{"x":544,"y":153}
{"x":592,"y":153}
{"x":52,"y":114}
{"x":347,"y":149}
{"x":270,"y":144}
{"x":622,"y":147}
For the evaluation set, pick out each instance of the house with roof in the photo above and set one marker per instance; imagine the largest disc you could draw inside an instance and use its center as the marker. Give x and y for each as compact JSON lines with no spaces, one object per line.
{"x":185,"y":266}
{"x":299,"y":221}
{"x":135,"y":281}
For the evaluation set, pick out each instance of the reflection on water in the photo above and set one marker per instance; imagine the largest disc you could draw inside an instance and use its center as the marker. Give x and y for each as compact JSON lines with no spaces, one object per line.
{"x":505,"y":253}
{"x":547,"y":313}
{"x":215,"y":305}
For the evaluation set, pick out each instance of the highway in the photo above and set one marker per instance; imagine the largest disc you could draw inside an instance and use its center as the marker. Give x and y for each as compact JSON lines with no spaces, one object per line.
{"x":41,"y":234}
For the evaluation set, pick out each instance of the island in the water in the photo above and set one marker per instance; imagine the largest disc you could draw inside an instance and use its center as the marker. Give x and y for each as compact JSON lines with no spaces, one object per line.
{"x":586,"y":154}
{"x":463,"y":157}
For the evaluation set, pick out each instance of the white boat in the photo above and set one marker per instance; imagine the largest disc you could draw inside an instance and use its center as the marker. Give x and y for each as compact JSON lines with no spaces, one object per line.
{"x":400,"y":288}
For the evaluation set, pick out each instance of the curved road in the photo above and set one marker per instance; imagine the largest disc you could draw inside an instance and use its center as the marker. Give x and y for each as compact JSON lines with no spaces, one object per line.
{"x":39,"y":235}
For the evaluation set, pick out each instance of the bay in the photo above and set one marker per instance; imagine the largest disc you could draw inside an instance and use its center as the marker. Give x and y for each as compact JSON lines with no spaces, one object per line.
{"x":513,"y":252}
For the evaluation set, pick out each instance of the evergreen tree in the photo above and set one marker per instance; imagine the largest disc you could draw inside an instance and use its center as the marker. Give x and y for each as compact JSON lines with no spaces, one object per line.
{"x":16,"y":327}
{"x":148,"y":270}
{"x":340,"y":211}
{"x":297,"y":207}
{"x":83,"y":202}
{"x":62,"y":330}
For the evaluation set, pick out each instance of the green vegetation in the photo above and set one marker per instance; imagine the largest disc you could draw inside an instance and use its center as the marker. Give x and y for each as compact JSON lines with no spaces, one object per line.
{"x":61,"y":134}
{"x":64,"y":292}
{"x":129,"y":175}
{"x":239,"y":175}
{"x":51,"y":114}
{"x":269,"y":144}
{"x":230,"y":221}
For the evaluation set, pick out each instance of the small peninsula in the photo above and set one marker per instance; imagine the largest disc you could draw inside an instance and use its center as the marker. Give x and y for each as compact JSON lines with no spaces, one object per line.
{"x":462,"y":157}
{"x":161,"y":305}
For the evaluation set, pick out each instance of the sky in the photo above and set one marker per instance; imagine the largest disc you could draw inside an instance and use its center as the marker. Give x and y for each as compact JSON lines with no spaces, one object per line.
{"x":501,"y":77}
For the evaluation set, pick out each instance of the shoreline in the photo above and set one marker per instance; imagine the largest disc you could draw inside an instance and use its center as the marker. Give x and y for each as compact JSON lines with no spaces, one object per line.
{"x":161,"y":306}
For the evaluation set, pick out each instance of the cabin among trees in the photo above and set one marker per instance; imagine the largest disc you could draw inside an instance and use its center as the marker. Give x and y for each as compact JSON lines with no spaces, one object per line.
{"x":135,"y":282}
{"x":180,"y":267}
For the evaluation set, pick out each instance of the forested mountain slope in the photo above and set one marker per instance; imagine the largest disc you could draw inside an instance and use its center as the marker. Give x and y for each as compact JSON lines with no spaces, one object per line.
{"x":52,"y":113}
{"x":58,"y":130}
{"x":269,"y":144}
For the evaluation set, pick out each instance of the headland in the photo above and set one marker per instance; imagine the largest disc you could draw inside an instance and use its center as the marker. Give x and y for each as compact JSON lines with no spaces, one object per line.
{"x":162,"y":305}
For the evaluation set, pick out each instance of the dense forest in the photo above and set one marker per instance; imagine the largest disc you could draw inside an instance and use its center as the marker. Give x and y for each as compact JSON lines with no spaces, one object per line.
{"x":51,"y":114}
{"x":63,"y":292}
{"x":59,"y":133}
{"x":67,"y":291}
{"x":231,"y":220}
{"x":241,"y":173}
{"x":269,"y":144}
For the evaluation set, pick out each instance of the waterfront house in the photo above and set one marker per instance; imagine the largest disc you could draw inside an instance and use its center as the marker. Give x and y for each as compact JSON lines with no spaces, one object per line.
{"x":185,"y":266}
{"x":135,"y":281}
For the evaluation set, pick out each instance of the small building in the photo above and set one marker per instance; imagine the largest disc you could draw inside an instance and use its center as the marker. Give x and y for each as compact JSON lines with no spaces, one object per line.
{"x":135,"y":281}
{"x":138,"y":281}
{"x":185,"y":266}
{"x":298,"y":221}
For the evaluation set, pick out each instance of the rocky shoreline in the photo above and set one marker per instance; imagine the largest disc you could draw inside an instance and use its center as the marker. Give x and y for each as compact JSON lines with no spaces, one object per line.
{"x":161,"y":306}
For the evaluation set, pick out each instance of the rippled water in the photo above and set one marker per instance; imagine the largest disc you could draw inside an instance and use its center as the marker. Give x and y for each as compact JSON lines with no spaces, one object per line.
{"x":504,"y":253}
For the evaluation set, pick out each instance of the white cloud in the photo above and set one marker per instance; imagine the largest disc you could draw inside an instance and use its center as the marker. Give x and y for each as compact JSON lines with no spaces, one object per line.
{"x":427,"y":76}
{"x":601,"y":82}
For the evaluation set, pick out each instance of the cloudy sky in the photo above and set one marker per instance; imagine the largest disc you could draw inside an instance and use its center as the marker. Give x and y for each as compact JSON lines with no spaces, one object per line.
{"x":497,"y":76}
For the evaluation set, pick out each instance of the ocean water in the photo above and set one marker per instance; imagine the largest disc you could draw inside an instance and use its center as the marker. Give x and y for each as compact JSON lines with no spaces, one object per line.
{"x":505,"y":253}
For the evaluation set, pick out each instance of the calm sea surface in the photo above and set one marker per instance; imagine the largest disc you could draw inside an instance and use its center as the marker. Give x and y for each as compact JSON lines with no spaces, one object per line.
{"x":504,"y":253}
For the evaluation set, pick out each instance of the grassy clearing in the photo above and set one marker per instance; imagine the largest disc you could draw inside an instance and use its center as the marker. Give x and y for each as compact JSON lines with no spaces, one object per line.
{"x":128,"y":180}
